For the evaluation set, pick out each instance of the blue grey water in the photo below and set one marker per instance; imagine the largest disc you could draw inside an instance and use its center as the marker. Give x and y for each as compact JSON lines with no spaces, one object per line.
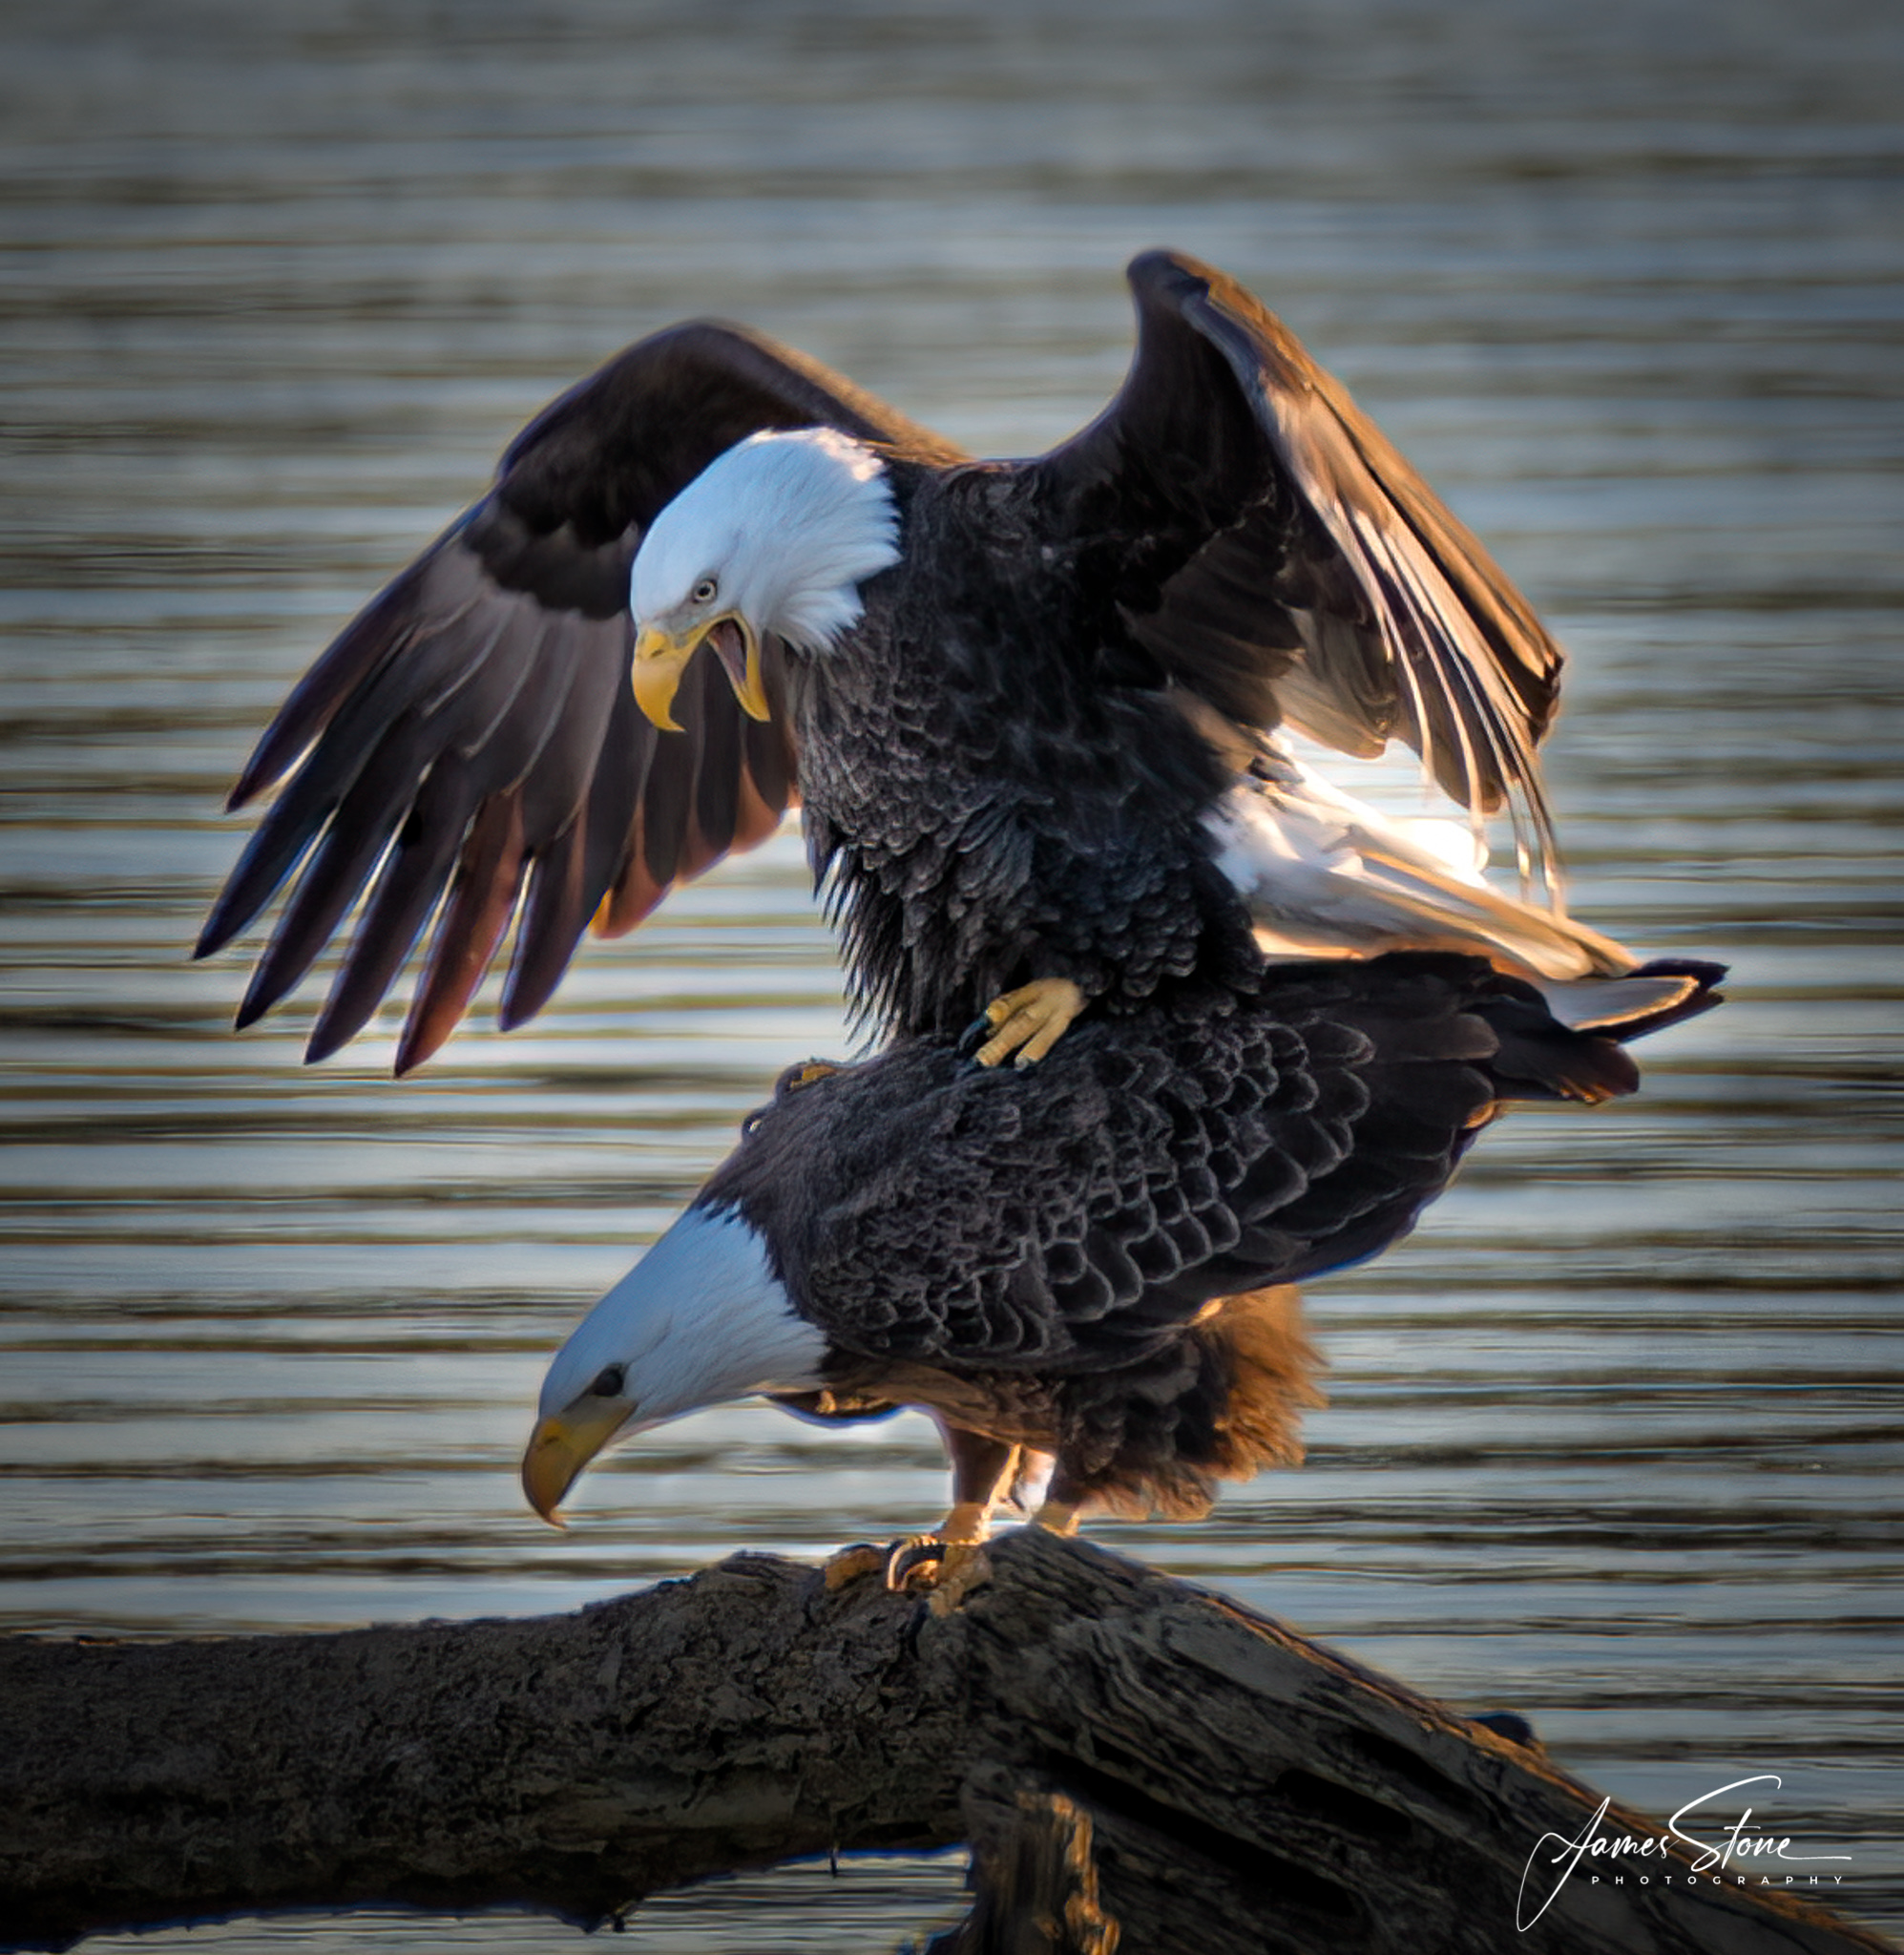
{"x":1615,"y":1438}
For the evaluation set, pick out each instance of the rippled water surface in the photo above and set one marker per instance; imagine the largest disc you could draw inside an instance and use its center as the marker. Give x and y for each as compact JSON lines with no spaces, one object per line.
{"x":1615,"y":1440}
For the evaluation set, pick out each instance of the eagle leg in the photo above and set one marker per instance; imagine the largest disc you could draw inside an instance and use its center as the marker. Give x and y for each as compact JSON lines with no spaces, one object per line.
{"x":1028,"y":1020}
{"x":1062,"y":1505}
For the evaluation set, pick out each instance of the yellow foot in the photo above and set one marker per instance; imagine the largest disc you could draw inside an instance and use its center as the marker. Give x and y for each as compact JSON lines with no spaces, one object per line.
{"x":963,"y":1569}
{"x":1030,"y":1021}
{"x":850,"y":1564}
{"x":804,"y":1075}
{"x":951,"y":1569}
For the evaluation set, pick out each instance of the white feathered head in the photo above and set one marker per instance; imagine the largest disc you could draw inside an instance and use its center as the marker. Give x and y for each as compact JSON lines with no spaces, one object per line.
{"x":775,"y":536}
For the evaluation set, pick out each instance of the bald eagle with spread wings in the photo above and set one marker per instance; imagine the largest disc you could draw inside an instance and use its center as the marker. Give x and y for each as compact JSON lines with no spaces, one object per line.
{"x":1031,"y":707}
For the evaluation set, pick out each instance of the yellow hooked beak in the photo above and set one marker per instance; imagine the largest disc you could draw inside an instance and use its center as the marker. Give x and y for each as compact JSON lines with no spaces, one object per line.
{"x":661,"y":657}
{"x":559,"y":1447}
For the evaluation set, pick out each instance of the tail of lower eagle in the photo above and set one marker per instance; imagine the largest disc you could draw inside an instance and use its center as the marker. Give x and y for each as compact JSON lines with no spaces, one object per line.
{"x":1325,"y":875}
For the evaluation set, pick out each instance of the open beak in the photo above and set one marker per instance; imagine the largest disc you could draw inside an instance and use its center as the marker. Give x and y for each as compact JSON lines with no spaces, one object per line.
{"x":739,"y":651}
{"x":559,"y":1447}
{"x":659,"y":660}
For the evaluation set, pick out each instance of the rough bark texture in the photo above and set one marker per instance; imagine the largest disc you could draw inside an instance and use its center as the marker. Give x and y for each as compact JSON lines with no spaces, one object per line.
{"x":1138,"y":1764}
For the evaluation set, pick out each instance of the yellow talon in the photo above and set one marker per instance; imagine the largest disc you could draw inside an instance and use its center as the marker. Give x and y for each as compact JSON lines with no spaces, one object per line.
{"x":966,"y":1567}
{"x":949,"y":1576}
{"x":1030,"y":1021}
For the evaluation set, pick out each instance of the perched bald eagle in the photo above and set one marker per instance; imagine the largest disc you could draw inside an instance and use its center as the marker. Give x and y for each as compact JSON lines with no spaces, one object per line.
{"x":1082,"y":1260}
{"x":1029,"y":706}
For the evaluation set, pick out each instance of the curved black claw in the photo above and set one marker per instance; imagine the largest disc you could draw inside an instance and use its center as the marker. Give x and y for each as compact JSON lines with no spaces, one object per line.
{"x":974,"y":1036}
{"x":907,"y":1555}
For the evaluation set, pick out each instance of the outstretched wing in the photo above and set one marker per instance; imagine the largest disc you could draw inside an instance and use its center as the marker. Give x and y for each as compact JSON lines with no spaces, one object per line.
{"x":1281,"y":560}
{"x":469,"y":750}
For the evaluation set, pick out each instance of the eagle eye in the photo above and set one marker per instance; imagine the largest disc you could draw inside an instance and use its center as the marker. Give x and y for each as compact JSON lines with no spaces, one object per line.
{"x":609,"y":1382}
{"x":705,"y":591}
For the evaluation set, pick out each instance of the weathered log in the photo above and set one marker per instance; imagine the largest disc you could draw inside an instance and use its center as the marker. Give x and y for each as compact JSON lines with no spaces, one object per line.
{"x":1139,"y":1766}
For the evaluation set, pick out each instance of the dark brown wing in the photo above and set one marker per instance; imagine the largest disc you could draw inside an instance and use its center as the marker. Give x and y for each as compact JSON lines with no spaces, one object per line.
{"x":472,"y":732}
{"x":1285,"y":563}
